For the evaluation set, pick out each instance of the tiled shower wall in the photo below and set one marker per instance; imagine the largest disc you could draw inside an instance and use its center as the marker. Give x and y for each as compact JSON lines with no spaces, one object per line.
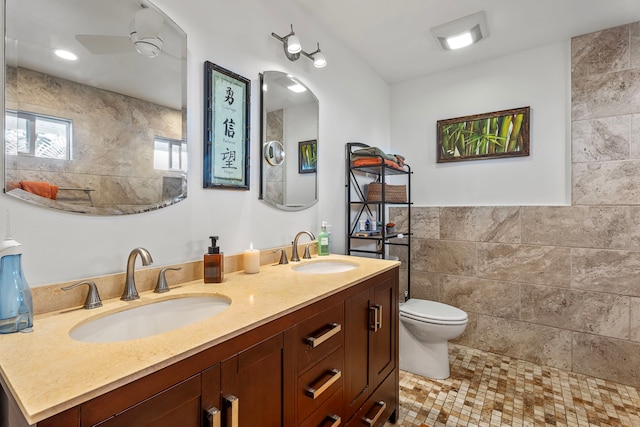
{"x":113,"y":136}
{"x":559,"y":286}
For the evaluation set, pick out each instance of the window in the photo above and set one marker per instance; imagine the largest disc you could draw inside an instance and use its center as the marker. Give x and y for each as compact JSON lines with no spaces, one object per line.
{"x":169,"y":154}
{"x":37,"y":135}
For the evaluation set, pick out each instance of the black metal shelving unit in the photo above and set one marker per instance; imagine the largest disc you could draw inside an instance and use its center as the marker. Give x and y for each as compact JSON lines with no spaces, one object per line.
{"x":357,"y":177}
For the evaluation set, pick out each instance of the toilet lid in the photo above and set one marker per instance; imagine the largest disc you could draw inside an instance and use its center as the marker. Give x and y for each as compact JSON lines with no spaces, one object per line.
{"x":432,"y":310}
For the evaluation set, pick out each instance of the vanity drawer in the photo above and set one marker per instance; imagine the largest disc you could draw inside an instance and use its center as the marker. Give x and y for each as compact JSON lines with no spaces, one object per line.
{"x":319,"y":335}
{"x":329,"y":414}
{"x":380,"y":405}
{"x":319,"y":383}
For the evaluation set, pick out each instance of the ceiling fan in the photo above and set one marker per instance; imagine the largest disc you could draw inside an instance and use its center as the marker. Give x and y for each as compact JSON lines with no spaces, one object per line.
{"x":144,"y":35}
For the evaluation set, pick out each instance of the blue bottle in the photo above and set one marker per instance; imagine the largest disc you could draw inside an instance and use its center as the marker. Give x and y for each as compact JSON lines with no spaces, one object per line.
{"x":16,"y":305}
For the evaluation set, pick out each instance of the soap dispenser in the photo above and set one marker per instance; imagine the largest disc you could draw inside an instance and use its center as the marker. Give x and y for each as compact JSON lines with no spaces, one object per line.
{"x":16,"y":305}
{"x":213,"y":263}
{"x":323,"y":240}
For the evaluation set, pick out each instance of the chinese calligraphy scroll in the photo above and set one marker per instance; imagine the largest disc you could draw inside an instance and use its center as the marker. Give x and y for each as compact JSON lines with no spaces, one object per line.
{"x":226,"y":128}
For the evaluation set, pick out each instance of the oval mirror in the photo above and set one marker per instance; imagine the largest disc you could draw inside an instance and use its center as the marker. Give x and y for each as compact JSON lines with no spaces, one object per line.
{"x":100,"y":129}
{"x":290,"y":119}
{"x":274,"y":153}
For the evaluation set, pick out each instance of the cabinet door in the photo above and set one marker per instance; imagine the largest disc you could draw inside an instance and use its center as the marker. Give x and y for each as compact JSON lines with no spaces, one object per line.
{"x":357,"y":378}
{"x":384,"y":335}
{"x":252,"y":386}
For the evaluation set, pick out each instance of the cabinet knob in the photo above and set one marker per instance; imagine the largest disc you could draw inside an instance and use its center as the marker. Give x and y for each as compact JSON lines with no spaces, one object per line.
{"x":314,"y":342}
{"x":379,"y":412}
{"x":377,"y":317}
{"x":213,"y":417}
{"x":335,"y":420}
{"x":231,"y":408}
{"x":314,"y":393}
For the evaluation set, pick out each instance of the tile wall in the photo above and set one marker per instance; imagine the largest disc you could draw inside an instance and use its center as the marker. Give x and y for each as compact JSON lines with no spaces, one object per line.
{"x":557,"y":285}
{"x":110,"y":155}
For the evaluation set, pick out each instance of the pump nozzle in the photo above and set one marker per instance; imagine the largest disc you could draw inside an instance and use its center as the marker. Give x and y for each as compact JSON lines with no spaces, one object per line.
{"x":8,"y":241}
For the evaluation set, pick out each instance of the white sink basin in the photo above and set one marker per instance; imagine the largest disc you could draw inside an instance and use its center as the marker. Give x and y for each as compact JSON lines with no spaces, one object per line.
{"x":150,"y":319}
{"x":325,"y":267}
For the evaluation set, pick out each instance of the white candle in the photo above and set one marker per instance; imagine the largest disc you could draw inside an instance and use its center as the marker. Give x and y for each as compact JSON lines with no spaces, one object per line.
{"x":251,"y":260}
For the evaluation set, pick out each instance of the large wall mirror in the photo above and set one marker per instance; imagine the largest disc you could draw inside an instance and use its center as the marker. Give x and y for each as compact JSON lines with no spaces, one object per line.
{"x":104,"y":133}
{"x":289,"y":146}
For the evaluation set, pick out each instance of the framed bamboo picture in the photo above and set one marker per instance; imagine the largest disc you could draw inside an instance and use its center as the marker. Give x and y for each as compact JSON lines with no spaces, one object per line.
{"x":226,"y":128}
{"x":484,"y":136}
{"x":307,"y":156}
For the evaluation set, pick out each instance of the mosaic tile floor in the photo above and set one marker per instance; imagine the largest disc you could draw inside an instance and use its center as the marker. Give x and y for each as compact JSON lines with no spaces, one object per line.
{"x":486,"y":390}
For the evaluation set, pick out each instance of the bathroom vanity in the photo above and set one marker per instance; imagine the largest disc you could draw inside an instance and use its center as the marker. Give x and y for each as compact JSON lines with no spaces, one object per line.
{"x":292,"y":349}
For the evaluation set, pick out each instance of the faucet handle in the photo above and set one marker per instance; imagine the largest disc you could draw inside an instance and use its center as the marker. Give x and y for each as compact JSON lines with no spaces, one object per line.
{"x":93,"y":298}
{"x":161,"y":284}
{"x":307,"y":254}
{"x":283,"y":256}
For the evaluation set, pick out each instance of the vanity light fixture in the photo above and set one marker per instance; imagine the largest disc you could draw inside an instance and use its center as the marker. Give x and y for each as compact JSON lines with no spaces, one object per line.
{"x":65,"y":54}
{"x":293,"y":49}
{"x":461,"y":32}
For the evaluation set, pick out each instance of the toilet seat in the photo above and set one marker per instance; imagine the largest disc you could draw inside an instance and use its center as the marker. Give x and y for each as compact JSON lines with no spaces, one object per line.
{"x":432,"y":312}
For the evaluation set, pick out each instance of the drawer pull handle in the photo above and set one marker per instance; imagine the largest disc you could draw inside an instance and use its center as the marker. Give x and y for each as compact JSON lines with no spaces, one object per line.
{"x":335,"y":420}
{"x":373,"y":420}
{"x":377,"y":317}
{"x":314,"y":393}
{"x":213,"y":417}
{"x":231,"y":406}
{"x":316,"y":341}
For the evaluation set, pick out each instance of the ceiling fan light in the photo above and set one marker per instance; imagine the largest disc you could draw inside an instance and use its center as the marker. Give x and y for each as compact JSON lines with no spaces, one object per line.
{"x":149,"y":47}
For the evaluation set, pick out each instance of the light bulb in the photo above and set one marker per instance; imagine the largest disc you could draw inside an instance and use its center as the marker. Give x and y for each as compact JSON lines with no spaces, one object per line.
{"x":319,"y":60}
{"x":293,"y":44}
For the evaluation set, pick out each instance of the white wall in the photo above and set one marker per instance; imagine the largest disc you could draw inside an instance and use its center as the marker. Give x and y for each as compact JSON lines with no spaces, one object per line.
{"x":235,"y":34}
{"x":539,"y":78}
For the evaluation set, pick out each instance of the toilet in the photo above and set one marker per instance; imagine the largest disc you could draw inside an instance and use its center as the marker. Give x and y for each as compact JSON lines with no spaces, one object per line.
{"x":425,"y":328}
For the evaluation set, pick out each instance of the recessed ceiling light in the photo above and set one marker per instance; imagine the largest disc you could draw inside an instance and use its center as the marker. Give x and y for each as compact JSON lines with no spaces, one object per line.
{"x":461,"y":32}
{"x":65,"y":54}
{"x":297,"y":88}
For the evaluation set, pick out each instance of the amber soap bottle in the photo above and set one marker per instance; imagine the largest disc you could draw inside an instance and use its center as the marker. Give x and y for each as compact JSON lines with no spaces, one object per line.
{"x":213,"y":263}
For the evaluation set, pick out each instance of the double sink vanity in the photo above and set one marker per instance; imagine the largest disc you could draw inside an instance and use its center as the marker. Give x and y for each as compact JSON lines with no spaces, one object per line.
{"x":304,"y":344}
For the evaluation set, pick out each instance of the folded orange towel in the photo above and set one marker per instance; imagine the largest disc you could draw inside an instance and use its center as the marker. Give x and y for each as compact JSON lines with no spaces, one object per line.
{"x":373,"y":161}
{"x":43,"y":189}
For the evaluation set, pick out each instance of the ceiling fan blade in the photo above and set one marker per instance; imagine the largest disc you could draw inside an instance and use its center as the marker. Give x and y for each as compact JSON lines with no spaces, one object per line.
{"x":148,"y":23}
{"x":106,"y":45}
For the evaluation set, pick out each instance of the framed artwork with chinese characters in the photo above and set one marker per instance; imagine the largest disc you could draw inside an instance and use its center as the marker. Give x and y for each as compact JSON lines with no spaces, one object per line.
{"x":226,"y":128}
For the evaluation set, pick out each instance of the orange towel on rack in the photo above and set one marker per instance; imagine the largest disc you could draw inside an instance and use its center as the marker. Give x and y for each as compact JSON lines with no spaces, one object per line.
{"x":374,"y":161}
{"x":40,"y":188}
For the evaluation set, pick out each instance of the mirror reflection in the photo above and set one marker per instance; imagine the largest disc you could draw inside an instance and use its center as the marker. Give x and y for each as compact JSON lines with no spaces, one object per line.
{"x":99,"y":128}
{"x":289,"y":118}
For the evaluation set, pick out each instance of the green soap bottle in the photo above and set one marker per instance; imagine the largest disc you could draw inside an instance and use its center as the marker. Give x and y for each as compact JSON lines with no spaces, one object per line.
{"x":323,"y":240}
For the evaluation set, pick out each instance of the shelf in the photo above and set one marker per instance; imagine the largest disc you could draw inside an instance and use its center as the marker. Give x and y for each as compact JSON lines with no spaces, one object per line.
{"x":353,"y":202}
{"x":377,"y":170}
{"x":379,"y":236}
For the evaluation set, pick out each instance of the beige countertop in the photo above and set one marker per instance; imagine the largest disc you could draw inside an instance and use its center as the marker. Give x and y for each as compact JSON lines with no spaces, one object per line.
{"x":47,"y":372}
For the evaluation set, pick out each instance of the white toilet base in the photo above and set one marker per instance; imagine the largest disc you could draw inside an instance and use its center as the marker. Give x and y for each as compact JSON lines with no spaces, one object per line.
{"x":429,"y":360}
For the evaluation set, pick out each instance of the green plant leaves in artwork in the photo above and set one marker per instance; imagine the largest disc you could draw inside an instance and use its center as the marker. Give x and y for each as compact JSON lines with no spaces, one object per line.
{"x":499,"y":134}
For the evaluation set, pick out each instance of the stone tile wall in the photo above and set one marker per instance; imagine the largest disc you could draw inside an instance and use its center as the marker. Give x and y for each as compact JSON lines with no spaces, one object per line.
{"x":113,"y":146}
{"x":555,"y":285}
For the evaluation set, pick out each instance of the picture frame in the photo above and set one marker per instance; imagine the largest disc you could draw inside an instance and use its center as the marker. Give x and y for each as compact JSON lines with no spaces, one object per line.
{"x":307,"y":156}
{"x":498,"y":134}
{"x":226,"y":128}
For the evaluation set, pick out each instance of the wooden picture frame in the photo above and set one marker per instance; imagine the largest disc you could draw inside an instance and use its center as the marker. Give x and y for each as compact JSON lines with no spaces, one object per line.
{"x":484,"y":136}
{"x":307,"y":156}
{"x":226,"y":128}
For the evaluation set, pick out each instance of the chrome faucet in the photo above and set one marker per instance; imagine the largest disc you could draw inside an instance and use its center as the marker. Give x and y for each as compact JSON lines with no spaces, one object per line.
{"x":294,"y":247}
{"x":130,"y":292}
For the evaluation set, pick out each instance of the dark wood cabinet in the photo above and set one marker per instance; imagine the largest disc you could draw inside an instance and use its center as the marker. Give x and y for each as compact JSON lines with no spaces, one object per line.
{"x":371,"y":341}
{"x":252,"y":386}
{"x":327,"y":364}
